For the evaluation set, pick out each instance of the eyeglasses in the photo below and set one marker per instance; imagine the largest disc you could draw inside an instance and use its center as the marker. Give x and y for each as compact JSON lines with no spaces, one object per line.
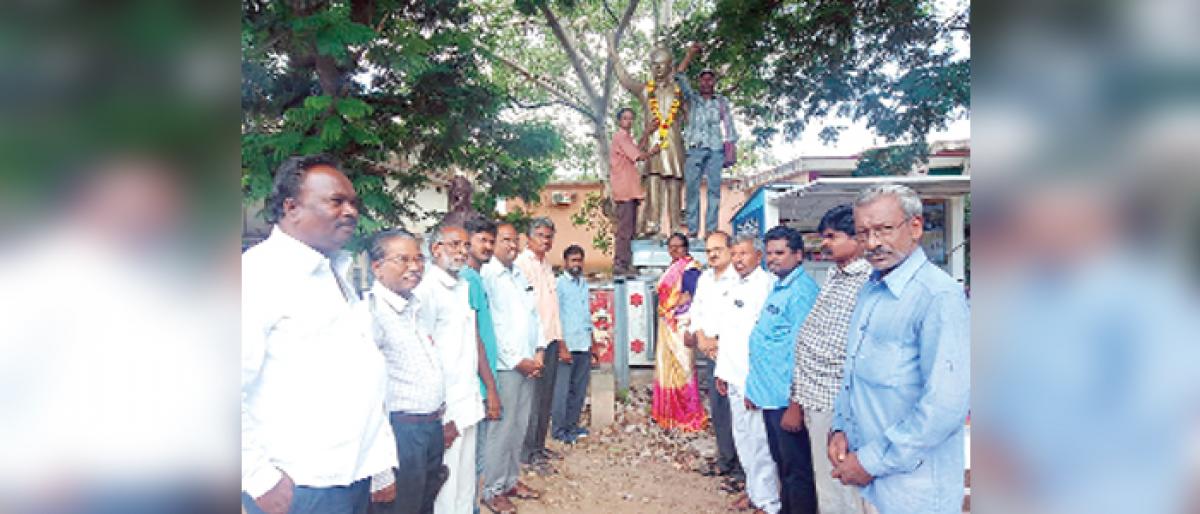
{"x":455,"y":244}
{"x":862,"y":234}
{"x":405,"y":260}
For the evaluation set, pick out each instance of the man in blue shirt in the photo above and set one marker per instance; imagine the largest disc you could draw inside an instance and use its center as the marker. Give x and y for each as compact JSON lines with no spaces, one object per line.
{"x":772,"y":356}
{"x":570,"y":386}
{"x":898,"y":419}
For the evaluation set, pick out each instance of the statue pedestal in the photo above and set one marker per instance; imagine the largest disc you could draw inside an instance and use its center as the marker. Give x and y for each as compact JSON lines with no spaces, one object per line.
{"x":650,"y":255}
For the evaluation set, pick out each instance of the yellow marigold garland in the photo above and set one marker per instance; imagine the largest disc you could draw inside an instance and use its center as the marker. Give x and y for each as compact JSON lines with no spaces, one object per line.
{"x":663,"y":126}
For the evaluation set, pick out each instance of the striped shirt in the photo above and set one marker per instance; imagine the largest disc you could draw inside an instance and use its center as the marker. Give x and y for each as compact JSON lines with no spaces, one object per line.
{"x":821,"y":346}
{"x":414,"y":368}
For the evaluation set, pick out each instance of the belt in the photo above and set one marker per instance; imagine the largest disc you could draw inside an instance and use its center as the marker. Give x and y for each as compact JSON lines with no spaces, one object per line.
{"x":412,"y":417}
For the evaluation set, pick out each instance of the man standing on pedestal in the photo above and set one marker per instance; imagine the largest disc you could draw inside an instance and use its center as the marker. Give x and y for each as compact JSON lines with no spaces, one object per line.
{"x":709,"y":132}
{"x":625,"y":189}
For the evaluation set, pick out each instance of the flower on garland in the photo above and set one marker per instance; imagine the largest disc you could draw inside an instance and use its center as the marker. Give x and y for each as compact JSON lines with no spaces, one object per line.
{"x":664,"y":126}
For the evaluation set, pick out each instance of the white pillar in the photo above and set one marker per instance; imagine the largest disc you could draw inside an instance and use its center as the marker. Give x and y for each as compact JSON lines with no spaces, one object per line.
{"x":956,"y":237}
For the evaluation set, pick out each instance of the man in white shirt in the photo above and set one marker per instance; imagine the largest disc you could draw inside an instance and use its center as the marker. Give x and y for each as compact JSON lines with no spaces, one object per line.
{"x":518,"y":333}
{"x":447,"y":315}
{"x":706,"y":310}
{"x":741,"y":307}
{"x":416,"y":388}
{"x":314,"y":429}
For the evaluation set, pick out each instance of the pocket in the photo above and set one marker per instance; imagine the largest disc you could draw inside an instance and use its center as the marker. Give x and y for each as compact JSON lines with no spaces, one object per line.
{"x":887,"y":363}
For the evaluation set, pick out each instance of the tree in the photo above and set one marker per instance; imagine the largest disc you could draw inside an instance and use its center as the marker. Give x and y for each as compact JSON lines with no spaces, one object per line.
{"x":890,"y":64}
{"x":392,"y":88}
{"x":551,"y":53}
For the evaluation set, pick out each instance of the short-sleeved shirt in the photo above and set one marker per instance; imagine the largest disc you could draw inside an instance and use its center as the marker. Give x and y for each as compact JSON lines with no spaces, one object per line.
{"x":574,"y":313}
{"x":483,"y":316}
{"x":773,"y":340}
{"x":625,"y":179}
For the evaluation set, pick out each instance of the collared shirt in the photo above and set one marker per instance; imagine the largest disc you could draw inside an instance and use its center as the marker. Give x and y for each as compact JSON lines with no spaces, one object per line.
{"x":313,"y":382}
{"x":821,"y":347}
{"x":710,"y":289}
{"x":540,"y":275}
{"x":483,"y":319}
{"x":737,"y":314}
{"x":625,"y":179}
{"x":906,"y":391}
{"x":414,"y":365}
{"x":514,"y":311}
{"x":706,"y":118}
{"x":447,"y":315}
{"x":773,"y":340}
{"x":573,"y":306}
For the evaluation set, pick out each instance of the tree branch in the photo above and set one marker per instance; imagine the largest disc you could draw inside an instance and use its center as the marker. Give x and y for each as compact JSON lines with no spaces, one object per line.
{"x":609,"y":69}
{"x":546,"y":84}
{"x":568,"y":45}
{"x":590,"y":115}
{"x":608,"y":9}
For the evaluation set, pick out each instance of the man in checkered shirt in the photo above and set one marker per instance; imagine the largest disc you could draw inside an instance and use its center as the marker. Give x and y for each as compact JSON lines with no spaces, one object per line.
{"x":821,"y":352}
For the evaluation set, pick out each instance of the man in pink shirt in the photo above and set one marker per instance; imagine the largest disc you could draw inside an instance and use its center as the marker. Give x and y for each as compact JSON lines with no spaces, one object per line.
{"x":625,"y":188}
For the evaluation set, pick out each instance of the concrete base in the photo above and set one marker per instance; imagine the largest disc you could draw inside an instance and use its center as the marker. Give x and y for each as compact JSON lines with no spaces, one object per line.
{"x":603,"y":387}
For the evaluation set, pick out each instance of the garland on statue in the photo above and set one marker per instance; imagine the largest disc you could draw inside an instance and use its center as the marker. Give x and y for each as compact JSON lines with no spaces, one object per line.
{"x":663,"y":125}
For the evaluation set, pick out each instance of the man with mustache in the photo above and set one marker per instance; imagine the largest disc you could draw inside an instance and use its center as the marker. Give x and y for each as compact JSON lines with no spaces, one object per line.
{"x":416,"y":384}
{"x":772,"y":355}
{"x":514,"y":310}
{"x":820,"y":352}
{"x":737,"y":313}
{"x":898,"y":419}
{"x":481,"y":242}
{"x":309,"y":445}
{"x":447,"y":315}
{"x":707,"y":310}
{"x":535,"y":265}
{"x":709,"y":131}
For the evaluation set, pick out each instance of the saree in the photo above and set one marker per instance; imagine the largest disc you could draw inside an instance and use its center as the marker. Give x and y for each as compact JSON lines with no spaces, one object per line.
{"x":676,"y":402}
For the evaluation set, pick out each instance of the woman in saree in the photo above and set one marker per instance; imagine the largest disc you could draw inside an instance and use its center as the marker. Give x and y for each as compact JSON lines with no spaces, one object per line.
{"x":676,"y":395}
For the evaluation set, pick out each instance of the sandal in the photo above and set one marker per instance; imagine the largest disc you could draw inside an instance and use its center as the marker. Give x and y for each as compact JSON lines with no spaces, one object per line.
{"x":500,"y":505}
{"x":742,"y":503}
{"x":523,"y":492}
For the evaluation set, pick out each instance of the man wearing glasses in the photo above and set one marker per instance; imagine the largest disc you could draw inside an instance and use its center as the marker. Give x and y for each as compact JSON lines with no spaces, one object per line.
{"x":446,"y":314}
{"x":898,"y":419}
{"x":416,"y":396}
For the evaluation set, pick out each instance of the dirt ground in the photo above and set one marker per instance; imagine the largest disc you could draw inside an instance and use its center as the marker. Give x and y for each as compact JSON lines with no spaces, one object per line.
{"x":632,"y":466}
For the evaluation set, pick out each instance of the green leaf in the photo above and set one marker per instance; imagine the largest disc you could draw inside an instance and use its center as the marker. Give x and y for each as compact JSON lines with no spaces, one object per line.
{"x":331,"y":131}
{"x":312,"y":146}
{"x":318,"y":103}
{"x":353,"y":108}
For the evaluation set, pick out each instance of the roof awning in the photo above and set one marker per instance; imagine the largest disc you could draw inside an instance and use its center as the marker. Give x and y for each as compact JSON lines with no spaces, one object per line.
{"x":806,"y":203}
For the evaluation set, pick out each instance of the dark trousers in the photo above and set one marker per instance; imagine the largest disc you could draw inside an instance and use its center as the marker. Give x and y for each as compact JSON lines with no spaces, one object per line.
{"x":543,"y":400}
{"x":570,"y":390}
{"x":793,"y":457}
{"x":348,"y":499}
{"x":419,"y":449}
{"x":722,"y":421}
{"x":626,"y":224}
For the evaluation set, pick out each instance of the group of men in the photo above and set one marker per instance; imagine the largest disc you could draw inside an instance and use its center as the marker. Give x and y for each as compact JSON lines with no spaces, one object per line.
{"x":422,"y":395}
{"x":845,"y":398}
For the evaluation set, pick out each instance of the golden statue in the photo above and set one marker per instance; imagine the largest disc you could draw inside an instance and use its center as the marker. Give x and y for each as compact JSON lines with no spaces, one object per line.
{"x":662,"y":103}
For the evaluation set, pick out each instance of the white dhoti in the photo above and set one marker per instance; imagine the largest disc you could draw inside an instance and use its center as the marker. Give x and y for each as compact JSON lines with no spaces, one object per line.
{"x":458,"y":493}
{"x":750,"y":439}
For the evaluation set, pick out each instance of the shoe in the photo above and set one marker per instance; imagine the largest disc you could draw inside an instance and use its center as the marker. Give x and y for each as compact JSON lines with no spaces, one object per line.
{"x":580,"y":433}
{"x":564,"y":437}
